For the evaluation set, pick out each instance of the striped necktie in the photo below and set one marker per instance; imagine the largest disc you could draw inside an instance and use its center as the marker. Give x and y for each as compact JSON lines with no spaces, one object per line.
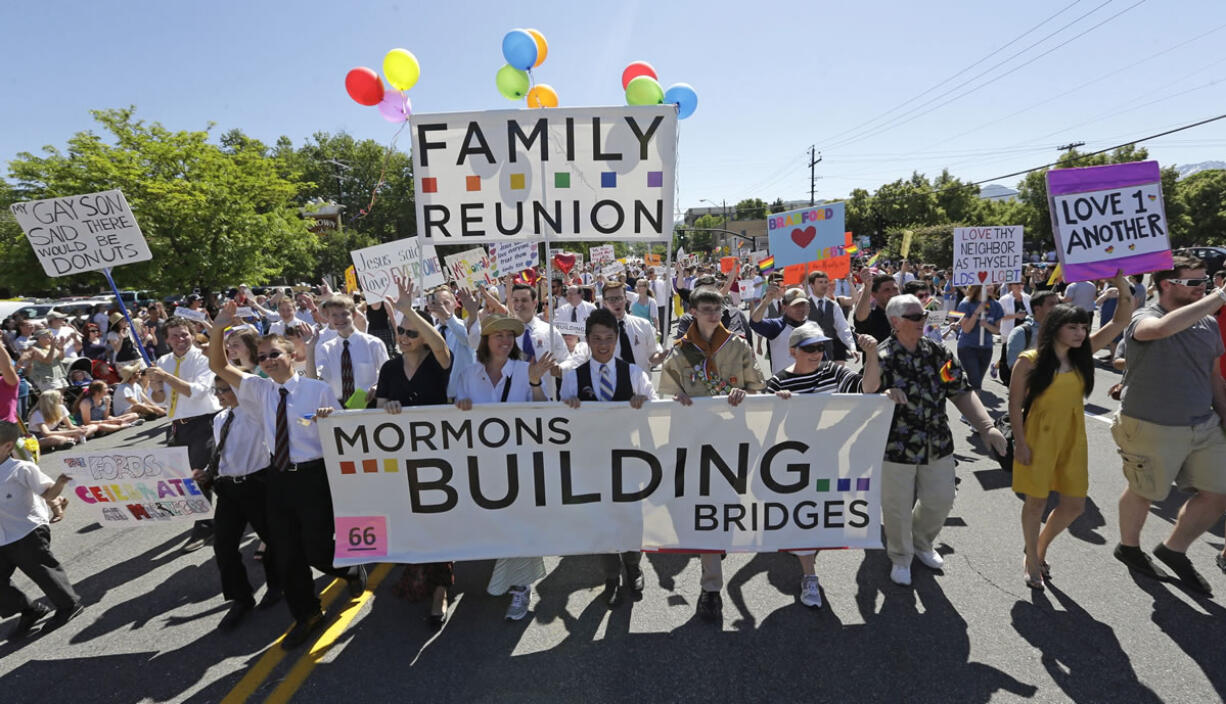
{"x":606,"y":383}
{"x":280,"y":455}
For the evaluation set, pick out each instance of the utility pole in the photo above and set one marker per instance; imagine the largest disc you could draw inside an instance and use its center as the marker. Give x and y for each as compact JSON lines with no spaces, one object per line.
{"x":815,"y":158}
{"x":1070,"y":146}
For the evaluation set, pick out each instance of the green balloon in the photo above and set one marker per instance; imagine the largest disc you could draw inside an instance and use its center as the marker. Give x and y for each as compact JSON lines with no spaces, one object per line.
{"x":644,"y":90}
{"x":513,"y":83}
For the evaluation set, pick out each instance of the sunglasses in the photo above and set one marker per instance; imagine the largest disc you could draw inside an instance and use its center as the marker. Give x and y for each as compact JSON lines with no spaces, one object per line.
{"x":815,"y":347}
{"x":915,"y":317}
{"x":1190,"y":282}
{"x":271,"y":355}
{"x":219,"y":391}
{"x":411,"y":334}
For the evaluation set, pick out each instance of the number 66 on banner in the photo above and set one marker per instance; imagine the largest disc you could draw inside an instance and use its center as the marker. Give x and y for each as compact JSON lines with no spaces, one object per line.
{"x":361,"y":536}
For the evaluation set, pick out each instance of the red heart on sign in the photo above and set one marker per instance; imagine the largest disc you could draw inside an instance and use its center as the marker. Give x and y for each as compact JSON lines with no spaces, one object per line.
{"x":564,"y":261}
{"x":802,"y":238}
{"x":983,"y":275}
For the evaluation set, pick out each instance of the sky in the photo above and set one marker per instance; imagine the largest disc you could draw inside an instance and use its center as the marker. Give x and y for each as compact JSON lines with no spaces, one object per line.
{"x":881,"y":88}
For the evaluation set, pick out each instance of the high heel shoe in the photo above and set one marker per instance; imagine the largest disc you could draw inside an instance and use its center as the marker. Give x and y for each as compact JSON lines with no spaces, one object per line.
{"x":438,"y":619}
{"x":1035,"y":584}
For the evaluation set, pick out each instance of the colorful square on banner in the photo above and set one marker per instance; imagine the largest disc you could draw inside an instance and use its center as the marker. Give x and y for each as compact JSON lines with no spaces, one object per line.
{"x":370,"y":466}
{"x":517,"y":182}
{"x":348,"y":468}
{"x":391,"y":465}
{"x":801,"y":236}
{"x":361,"y":536}
{"x":823,"y":485}
{"x":844,"y":484}
{"x":561,"y":179}
{"x":429,"y":184}
{"x":655,"y":179}
{"x":472,"y":183}
{"x":862,"y":484}
{"x":608,"y":179}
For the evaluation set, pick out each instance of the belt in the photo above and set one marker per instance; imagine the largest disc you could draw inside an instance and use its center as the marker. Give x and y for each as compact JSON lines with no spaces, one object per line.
{"x":192,"y":419}
{"x":308,"y":466}
{"x":258,"y":474}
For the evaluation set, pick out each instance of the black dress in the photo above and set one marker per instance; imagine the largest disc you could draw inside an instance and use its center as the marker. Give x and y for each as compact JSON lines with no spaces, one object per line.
{"x":378,"y":324}
{"x":428,"y":387}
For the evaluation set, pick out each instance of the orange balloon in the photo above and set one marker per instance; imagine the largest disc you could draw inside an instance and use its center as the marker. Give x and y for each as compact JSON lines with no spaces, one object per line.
{"x":542,"y":96}
{"x":542,"y":47}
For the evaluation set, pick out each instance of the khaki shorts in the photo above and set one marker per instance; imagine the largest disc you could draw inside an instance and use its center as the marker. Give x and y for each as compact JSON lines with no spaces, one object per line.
{"x":1193,"y":457}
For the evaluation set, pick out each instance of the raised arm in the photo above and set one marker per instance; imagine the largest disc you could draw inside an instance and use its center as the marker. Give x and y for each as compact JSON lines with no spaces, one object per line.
{"x":413,"y":321}
{"x":1105,"y":335}
{"x":218,"y":363}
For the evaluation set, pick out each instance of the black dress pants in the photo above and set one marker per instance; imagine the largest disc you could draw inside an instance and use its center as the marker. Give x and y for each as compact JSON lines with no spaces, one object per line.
{"x":32,"y":555}
{"x":301,"y":526}
{"x":242,"y":501}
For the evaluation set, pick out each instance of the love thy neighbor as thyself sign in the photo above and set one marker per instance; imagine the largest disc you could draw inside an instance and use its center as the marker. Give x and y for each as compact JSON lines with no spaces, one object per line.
{"x":573,"y":174}
{"x":88,"y":232}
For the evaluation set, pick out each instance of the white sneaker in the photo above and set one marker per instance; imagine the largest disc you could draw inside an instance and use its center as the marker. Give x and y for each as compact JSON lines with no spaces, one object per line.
{"x":520,"y":597}
{"x":810,"y":595}
{"x":901,"y":574}
{"x":932,"y":559}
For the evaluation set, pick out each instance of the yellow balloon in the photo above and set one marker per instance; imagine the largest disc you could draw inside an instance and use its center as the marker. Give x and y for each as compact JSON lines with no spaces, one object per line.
{"x":401,"y":69}
{"x":542,"y":46}
{"x":542,"y":96}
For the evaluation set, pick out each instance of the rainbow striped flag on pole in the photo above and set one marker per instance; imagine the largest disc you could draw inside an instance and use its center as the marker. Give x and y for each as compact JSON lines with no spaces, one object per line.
{"x":767,"y":265}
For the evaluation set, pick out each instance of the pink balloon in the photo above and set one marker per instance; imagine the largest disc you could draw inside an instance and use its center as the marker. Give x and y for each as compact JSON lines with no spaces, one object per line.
{"x":395,"y":106}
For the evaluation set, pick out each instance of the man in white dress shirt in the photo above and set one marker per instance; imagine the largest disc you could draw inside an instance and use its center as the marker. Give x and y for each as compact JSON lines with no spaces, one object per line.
{"x":575,"y":309}
{"x":536,"y":338}
{"x":661,"y":290}
{"x":351,"y":360}
{"x":300,"y":517}
{"x":606,"y":379}
{"x":286,"y":318}
{"x":637,"y":342}
{"x":182,"y":383}
{"x":828,"y":314}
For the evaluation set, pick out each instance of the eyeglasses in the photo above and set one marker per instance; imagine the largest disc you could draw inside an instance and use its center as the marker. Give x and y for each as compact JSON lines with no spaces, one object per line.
{"x":614,"y":299}
{"x":815,"y":347}
{"x":271,"y":355}
{"x":1190,"y":282}
{"x":915,"y":317}
{"x":406,"y":332}
{"x":923,"y":296}
{"x":219,"y":391}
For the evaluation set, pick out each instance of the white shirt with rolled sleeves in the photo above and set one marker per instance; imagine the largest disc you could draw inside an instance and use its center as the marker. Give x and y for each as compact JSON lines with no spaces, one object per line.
{"x":640,"y":382}
{"x":463,"y":354}
{"x":22,"y":508}
{"x":367,"y":353}
{"x":260,"y":397}
{"x":541,"y":341}
{"x":278,"y":326}
{"x":244,"y":452}
{"x":643,"y":342}
{"x":193,"y":369}
{"x":474,"y":384}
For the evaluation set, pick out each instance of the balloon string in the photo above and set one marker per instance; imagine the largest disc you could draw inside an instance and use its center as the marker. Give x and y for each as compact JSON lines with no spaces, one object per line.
{"x":374,"y":194}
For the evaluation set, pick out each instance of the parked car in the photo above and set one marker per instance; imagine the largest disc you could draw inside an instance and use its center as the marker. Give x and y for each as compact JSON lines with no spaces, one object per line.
{"x":1213,"y":257}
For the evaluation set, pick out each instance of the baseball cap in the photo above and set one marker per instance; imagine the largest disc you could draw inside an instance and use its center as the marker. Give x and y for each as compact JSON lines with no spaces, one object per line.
{"x":795,"y":295}
{"x":807,"y":334}
{"x":56,"y":315}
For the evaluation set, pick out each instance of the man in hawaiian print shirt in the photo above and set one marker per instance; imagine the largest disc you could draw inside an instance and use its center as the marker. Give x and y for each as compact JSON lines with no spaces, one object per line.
{"x":917,"y":490}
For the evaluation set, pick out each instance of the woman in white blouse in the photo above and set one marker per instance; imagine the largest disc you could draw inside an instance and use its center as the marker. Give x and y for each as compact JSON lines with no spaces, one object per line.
{"x":500,"y":376}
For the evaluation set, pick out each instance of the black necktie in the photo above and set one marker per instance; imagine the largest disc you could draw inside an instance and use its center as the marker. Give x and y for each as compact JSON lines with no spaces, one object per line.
{"x":574,"y":315}
{"x":627,"y":353}
{"x":280,"y":455}
{"x":346,"y":373}
{"x":215,"y":461}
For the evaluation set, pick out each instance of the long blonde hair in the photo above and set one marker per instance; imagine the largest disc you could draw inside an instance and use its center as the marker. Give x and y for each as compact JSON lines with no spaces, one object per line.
{"x":49,"y":405}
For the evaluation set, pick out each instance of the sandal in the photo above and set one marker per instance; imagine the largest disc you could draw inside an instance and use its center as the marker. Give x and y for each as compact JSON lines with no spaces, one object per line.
{"x":1035,"y":584}
{"x":1045,"y":569}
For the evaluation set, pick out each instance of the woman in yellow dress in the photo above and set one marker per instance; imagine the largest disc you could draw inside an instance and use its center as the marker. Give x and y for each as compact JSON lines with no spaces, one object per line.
{"x":1047,"y":413}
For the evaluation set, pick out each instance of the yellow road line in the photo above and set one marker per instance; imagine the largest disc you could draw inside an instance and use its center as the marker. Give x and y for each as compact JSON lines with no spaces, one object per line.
{"x":302,"y":669}
{"x":274,"y":655}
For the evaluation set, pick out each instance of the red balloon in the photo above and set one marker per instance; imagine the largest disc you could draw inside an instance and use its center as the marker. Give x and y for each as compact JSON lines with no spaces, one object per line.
{"x":636,"y":69}
{"x":364,"y":86}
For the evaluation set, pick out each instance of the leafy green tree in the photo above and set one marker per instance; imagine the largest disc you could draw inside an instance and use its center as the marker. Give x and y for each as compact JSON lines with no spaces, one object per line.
{"x":750,"y":209}
{"x":1200,"y":209}
{"x":213,"y":215}
{"x":778,"y":206}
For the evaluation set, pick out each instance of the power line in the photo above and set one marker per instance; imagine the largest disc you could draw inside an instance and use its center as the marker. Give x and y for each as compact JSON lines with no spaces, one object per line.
{"x":910,"y":117}
{"x":959,"y":73}
{"x":1048,"y":166}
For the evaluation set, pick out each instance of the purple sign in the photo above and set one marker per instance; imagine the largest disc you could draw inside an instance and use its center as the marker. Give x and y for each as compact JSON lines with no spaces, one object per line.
{"x":1107,"y":218}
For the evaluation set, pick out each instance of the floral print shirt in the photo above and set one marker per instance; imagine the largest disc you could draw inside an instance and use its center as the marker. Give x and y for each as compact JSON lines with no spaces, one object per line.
{"x":928,"y":376}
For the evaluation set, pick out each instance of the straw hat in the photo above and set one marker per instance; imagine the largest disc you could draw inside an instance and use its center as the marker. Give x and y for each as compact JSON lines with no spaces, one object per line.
{"x":497,"y":322}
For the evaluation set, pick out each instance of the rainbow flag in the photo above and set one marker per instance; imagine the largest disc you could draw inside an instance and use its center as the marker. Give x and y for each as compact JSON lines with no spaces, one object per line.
{"x":767,"y":265}
{"x":948,"y":373}
{"x":873,"y":259}
{"x":851,"y":249}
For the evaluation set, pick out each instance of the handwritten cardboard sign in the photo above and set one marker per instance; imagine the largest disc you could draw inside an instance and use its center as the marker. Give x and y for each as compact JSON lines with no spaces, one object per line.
{"x":380,"y":268}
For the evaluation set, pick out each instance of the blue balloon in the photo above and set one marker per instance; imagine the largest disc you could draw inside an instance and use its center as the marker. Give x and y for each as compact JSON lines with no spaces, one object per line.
{"x":519,"y":49}
{"x":683,"y":96}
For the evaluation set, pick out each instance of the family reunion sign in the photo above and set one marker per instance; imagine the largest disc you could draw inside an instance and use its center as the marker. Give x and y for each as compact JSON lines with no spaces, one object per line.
{"x":125,"y":487}
{"x":572,"y":174}
{"x":1107,"y":218}
{"x":89,"y":232}
{"x":509,"y":480}
{"x":806,"y":235}
{"x":380,"y":268}
{"x":987,"y":255}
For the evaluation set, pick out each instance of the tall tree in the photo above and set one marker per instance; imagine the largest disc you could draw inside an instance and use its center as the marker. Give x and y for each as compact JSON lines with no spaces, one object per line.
{"x":212,"y":215}
{"x":751,"y":209}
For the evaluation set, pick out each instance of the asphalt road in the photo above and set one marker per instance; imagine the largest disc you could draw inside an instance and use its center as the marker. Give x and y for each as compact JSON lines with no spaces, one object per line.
{"x":974,"y":633}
